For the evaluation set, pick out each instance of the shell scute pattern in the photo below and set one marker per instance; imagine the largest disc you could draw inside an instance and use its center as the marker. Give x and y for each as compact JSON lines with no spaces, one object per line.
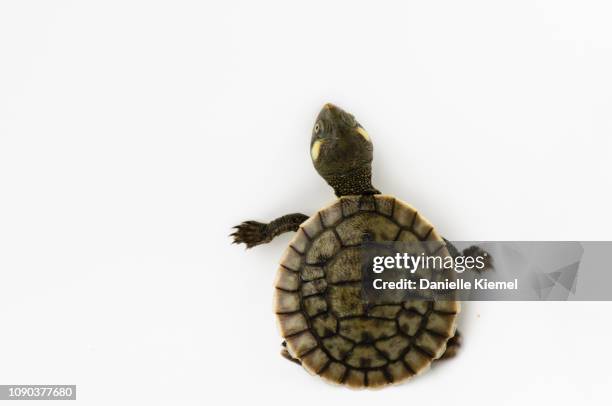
{"x":319,"y":306}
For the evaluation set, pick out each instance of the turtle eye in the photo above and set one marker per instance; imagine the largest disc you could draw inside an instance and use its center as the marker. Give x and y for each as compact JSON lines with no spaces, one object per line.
{"x":318,"y":127}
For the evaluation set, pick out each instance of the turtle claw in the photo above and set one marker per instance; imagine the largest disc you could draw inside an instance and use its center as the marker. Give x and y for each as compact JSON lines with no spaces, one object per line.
{"x":250,"y":233}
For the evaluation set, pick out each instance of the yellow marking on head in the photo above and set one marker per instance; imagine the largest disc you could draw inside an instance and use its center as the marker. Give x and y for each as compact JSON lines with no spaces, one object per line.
{"x":363,"y":133}
{"x":316,"y":148}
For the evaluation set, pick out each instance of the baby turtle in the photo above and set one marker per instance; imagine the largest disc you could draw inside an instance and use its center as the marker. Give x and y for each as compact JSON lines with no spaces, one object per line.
{"x":328,"y":327}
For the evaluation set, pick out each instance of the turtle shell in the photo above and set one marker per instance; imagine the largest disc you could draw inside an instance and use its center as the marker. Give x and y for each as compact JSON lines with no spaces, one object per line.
{"x":320,"y":310}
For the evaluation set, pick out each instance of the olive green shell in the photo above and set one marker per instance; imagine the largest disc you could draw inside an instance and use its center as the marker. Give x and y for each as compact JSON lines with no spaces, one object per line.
{"x":320,"y":310}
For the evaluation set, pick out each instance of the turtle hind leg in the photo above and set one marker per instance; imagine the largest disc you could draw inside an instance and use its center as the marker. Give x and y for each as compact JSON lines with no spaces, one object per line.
{"x":252,"y":233}
{"x":285,"y":353}
{"x":452,"y":346}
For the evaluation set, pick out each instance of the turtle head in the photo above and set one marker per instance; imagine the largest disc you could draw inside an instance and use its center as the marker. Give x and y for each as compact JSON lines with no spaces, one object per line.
{"x":341,"y":151}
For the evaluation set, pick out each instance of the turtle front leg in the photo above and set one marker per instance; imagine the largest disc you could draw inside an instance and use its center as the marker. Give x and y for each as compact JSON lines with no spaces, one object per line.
{"x":454,"y":343}
{"x":472,"y":251}
{"x":254,"y":233}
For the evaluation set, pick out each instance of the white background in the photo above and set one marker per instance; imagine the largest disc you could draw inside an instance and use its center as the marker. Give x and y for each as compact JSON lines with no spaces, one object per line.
{"x":134,"y":134}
